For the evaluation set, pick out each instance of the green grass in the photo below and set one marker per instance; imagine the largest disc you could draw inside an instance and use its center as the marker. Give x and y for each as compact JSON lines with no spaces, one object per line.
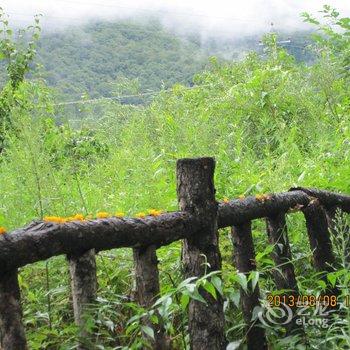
{"x":270,"y":124}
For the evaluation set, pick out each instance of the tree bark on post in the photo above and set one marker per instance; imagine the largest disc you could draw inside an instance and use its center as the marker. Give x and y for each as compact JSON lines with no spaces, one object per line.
{"x":84,"y":288}
{"x":12,"y":334}
{"x":320,"y":242}
{"x":244,"y":256}
{"x":147,"y":290}
{"x":284,"y":275}
{"x":196,"y":194}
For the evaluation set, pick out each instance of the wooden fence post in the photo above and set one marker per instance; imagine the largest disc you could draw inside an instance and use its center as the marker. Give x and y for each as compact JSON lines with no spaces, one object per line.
{"x":12,"y":334}
{"x":244,"y":256}
{"x":147,"y":290}
{"x":84,"y":287}
{"x":284,"y":276}
{"x":196,"y":195}
{"x":319,"y":238}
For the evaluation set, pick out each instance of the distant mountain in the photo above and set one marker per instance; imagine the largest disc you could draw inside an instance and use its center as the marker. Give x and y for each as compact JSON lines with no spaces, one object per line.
{"x":127,"y":57}
{"x":101,"y":58}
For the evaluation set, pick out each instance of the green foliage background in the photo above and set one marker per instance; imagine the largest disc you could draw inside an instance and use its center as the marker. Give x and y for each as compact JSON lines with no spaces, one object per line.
{"x":271,"y":123}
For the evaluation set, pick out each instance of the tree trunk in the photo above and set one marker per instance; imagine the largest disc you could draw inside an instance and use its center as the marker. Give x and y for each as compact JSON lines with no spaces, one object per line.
{"x":84,"y":288}
{"x":196,"y":195}
{"x":244,"y":257}
{"x":147,"y":291}
{"x":12,"y":334}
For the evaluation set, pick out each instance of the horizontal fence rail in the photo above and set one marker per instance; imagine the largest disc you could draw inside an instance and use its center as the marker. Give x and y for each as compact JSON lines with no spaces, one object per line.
{"x":197,"y":224}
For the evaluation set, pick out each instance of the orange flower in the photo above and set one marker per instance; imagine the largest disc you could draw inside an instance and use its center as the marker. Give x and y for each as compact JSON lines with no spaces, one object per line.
{"x":2,"y":230}
{"x":102,"y":215}
{"x":225,"y":200}
{"x":262,"y":197}
{"x":76,"y":217}
{"x":241,"y":197}
{"x":55,"y":219}
{"x":154,"y":212}
{"x":140,"y":215}
{"x":119,"y":214}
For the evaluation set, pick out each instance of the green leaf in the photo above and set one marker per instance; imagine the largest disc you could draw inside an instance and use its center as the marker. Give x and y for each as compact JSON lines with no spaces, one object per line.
{"x":148,"y":330}
{"x":241,"y":278}
{"x":209,"y":287}
{"x":185,"y":298}
{"x":217,"y":282}
{"x":332,"y":278}
{"x":254,"y":277}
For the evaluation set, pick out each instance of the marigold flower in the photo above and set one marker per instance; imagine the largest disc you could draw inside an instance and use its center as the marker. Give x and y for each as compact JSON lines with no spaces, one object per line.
{"x":225,"y":200}
{"x":154,"y":212}
{"x":119,"y":214}
{"x":140,"y":215}
{"x":2,"y":230}
{"x":55,"y":219}
{"x":102,"y":215}
{"x":76,"y":217}
{"x":262,"y":197}
{"x":241,"y":197}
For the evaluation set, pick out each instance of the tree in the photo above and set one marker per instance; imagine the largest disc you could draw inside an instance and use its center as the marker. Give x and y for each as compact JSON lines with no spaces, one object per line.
{"x":18,"y":51}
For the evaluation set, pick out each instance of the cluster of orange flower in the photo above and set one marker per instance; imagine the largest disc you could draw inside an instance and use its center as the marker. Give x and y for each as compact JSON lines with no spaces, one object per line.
{"x":2,"y":230}
{"x":262,"y":197}
{"x":99,"y":215}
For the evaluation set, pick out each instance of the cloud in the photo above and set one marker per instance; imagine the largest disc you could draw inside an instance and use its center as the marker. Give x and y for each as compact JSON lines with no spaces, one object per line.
{"x":211,"y":18}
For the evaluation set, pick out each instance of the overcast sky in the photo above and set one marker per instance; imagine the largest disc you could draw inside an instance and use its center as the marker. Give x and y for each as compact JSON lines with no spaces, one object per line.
{"x":215,"y":17}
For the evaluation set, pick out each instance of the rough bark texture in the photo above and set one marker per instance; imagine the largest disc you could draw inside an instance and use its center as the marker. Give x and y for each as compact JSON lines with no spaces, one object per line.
{"x":327,"y":199}
{"x":42,"y":240}
{"x":282,"y":256}
{"x":84,"y":287}
{"x":244,"y":259}
{"x":278,"y":236}
{"x":320,"y":243}
{"x":239,"y":211}
{"x":331,"y":218}
{"x":196,"y":195}
{"x":147,"y":291}
{"x":12,"y":334}
{"x":319,"y":238}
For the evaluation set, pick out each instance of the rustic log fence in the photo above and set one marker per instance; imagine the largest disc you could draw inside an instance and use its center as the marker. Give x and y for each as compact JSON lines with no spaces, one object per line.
{"x":197,"y":224}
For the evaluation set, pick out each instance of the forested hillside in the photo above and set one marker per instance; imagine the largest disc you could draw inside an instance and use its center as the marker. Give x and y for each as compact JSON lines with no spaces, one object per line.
{"x":111,"y":58}
{"x":127,"y":57}
{"x":99,"y":58}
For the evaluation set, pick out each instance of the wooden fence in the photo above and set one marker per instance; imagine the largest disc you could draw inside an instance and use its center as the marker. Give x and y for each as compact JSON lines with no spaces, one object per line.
{"x":197,"y":224}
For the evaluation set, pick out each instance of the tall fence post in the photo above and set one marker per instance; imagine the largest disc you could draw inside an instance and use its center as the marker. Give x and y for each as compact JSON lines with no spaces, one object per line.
{"x":84,"y":287}
{"x":319,"y":238}
{"x":196,"y":195}
{"x":244,"y":256}
{"x":147,"y":290}
{"x":284,"y":274}
{"x":12,"y":334}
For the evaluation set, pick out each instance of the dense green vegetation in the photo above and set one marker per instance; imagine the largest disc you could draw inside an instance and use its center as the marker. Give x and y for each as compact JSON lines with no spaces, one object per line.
{"x":97,"y":58}
{"x":130,"y":57}
{"x":271,"y":122}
